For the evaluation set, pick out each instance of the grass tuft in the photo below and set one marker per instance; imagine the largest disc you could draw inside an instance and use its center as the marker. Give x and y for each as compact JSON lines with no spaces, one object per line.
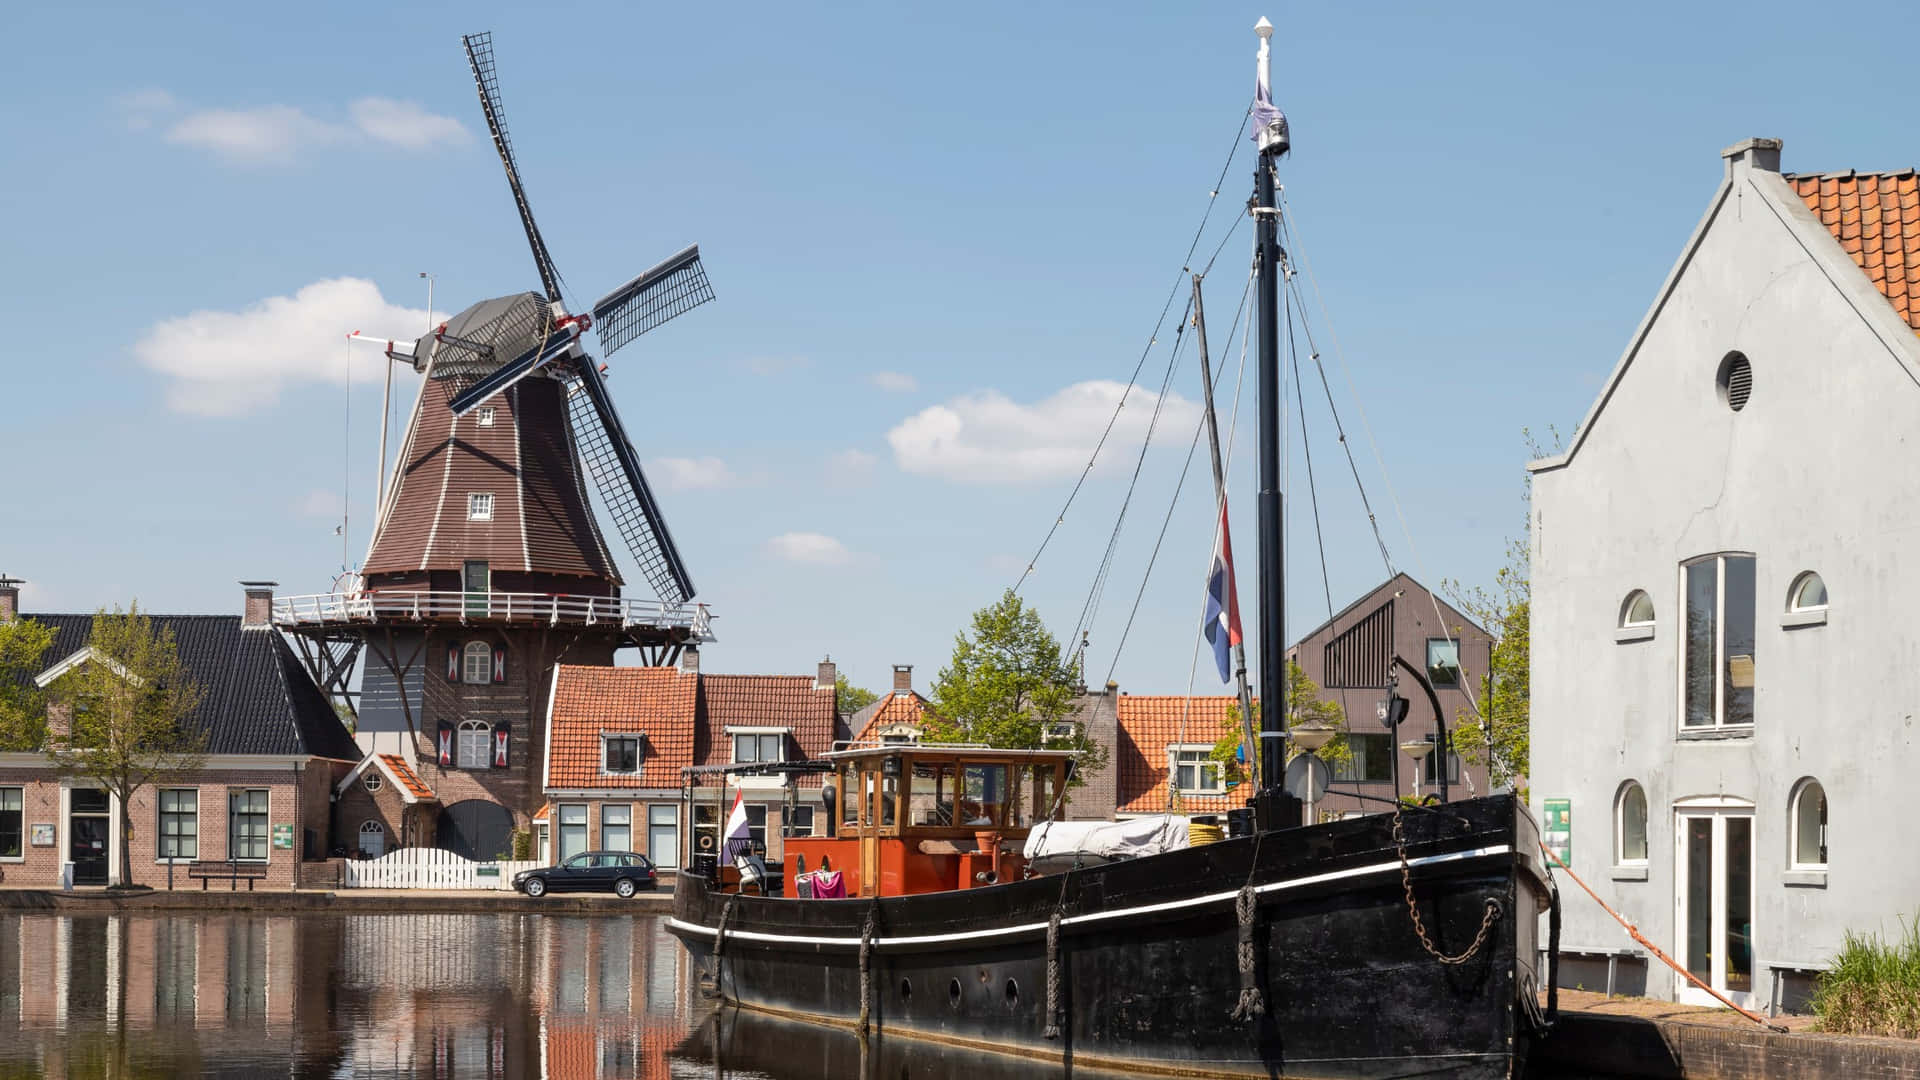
{"x":1873,"y":987}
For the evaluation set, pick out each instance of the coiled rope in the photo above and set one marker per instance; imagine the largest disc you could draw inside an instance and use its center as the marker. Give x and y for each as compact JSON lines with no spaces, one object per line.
{"x":1251,"y":1003}
{"x":1052,"y":1030}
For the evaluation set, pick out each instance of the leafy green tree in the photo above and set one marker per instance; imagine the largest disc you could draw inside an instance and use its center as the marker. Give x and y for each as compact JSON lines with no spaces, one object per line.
{"x":127,"y":712}
{"x":1008,"y":685}
{"x":23,"y":706}
{"x":848,"y":698}
{"x":1305,"y":706}
{"x":1497,"y":734}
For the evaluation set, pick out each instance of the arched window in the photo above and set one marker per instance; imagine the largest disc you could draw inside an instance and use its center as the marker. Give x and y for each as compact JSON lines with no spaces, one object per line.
{"x":1808,"y":593}
{"x":373,"y":839}
{"x":371,"y":780}
{"x":479,"y":663}
{"x":1809,"y":826}
{"x":1630,"y":825}
{"x":1637,"y":609}
{"x":472,"y":744}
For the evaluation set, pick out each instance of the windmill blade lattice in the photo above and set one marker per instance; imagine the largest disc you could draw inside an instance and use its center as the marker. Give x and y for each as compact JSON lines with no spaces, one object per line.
{"x":602,"y":445}
{"x":487,"y":80}
{"x":665,"y":292}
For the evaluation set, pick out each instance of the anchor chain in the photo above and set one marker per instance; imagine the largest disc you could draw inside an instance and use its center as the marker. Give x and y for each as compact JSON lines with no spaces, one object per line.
{"x":1413,"y":909}
{"x":1052,"y":1030}
{"x":1251,"y":1003}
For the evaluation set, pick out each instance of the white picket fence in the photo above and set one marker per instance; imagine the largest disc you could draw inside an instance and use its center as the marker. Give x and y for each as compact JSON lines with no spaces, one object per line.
{"x":428,"y":868}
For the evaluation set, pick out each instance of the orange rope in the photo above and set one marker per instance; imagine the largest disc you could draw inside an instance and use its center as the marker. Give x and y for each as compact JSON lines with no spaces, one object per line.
{"x":1635,"y":933}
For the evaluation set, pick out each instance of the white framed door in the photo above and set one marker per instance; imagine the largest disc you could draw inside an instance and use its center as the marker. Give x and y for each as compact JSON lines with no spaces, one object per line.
{"x":1713,"y":898}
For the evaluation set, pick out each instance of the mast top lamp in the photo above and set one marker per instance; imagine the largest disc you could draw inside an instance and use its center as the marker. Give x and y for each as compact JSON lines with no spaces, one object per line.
{"x":1417,"y":748}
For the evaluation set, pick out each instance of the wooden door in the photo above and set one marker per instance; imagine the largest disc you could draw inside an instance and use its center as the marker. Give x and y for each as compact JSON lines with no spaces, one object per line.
{"x":869,"y":782}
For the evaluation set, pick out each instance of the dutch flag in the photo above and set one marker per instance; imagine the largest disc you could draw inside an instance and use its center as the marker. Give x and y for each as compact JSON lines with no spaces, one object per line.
{"x":1223,"y":601}
{"x":738,"y":837}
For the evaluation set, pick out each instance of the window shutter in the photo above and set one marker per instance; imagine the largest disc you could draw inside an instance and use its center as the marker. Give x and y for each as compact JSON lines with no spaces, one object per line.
{"x":499,"y":663}
{"x":500,"y":741}
{"x":453,"y":661}
{"x":446,"y":746}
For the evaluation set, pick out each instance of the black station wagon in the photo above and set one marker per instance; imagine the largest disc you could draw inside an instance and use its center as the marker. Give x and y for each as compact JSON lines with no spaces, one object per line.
{"x":622,"y":873}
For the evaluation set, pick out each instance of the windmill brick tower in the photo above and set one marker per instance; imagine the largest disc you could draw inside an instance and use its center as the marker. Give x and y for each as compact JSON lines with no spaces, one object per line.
{"x":487,"y":566}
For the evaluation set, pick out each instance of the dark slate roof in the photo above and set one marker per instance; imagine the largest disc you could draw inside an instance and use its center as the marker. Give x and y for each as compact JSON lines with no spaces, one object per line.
{"x":257,"y":696}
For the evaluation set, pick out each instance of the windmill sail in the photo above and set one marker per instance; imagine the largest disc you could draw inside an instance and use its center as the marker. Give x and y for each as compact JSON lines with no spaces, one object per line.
{"x":671,"y":289}
{"x":487,"y":80}
{"x":557,"y":344}
{"x":603,"y":448}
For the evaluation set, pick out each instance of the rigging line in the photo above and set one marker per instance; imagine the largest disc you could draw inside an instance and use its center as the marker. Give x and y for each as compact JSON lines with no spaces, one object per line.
{"x":1094,"y":595}
{"x":1152,"y":340}
{"x":1306,"y":449}
{"x":1288,"y":222}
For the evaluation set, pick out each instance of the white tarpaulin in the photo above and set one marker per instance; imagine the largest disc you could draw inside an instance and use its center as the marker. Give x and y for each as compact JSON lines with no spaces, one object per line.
{"x":1126,"y":839}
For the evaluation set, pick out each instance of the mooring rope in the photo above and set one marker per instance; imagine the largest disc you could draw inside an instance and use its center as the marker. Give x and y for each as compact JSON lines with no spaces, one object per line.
{"x":1251,"y":1004}
{"x":866,"y":971}
{"x":1052,"y":1030}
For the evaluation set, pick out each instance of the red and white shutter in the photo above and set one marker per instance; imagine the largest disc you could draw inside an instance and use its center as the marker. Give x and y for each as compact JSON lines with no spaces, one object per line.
{"x":499,"y":663}
{"x":453,"y":661}
{"x":500,"y":743}
{"x":446,"y":746}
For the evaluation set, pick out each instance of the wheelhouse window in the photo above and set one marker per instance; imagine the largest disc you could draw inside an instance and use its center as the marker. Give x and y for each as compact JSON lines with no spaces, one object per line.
{"x":1810,"y":826}
{"x":480,"y":506}
{"x":1630,"y":826}
{"x":179,"y":823}
{"x":247,"y":824}
{"x":472,"y":744}
{"x":1195,"y":772}
{"x":759,"y":746}
{"x":12,"y":822}
{"x":1718,"y":667}
{"x":1371,"y":761}
{"x":621,"y":753}
{"x":477,"y":663}
{"x":1443,"y":661}
{"x":1808,"y":593}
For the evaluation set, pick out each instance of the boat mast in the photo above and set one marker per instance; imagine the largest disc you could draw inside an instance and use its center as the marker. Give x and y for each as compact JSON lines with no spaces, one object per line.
{"x":1270,"y":132}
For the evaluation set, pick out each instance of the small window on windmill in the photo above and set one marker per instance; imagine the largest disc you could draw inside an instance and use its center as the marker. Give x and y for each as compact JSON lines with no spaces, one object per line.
{"x":480,"y":506}
{"x":485,"y":414}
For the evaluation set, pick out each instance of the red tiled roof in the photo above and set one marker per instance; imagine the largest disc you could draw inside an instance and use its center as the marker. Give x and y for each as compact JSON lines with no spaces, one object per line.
{"x":1148,"y":724}
{"x":779,"y":701}
{"x":396,"y":766}
{"x":895,"y":708}
{"x":1876,"y":218}
{"x":658,"y":702}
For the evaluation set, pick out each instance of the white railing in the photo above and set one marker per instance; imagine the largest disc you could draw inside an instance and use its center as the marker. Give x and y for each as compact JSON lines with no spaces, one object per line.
{"x":322,"y":609}
{"x":428,"y":868}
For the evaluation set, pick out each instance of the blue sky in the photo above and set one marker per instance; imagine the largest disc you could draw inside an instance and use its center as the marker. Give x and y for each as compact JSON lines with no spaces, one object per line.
{"x":929,"y":231}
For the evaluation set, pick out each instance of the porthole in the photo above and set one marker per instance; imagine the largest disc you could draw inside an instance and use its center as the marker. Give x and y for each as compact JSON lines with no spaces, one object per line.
{"x":906,"y":989}
{"x":953,"y":992}
{"x":1013,"y":992}
{"x":1735,"y":381}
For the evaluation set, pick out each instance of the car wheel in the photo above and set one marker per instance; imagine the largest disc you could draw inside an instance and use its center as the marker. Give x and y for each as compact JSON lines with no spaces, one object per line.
{"x":536,"y":888}
{"x":624,"y":888}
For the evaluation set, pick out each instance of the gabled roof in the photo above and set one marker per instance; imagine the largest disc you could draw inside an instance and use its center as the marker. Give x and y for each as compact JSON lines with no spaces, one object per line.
{"x":765,"y":701}
{"x":412,"y":789}
{"x":1876,"y":218}
{"x":658,"y":703}
{"x":257,"y":697}
{"x":1149,"y":724}
{"x":1370,"y":599}
{"x":898,"y":707}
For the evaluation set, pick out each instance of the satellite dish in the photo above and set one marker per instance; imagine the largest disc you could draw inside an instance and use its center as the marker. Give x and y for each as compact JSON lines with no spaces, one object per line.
{"x":1307,"y":778}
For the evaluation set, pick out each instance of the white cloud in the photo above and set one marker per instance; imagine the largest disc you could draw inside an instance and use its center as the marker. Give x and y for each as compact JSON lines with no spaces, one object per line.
{"x":850,"y":467}
{"x":319,"y":504}
{"x":806,"y":547}
{"x":222,"y":363}
{"x":404,"y":123}
{"x":694,"y":474}
{"x":988,"y":438}
{"x":898,"y":382}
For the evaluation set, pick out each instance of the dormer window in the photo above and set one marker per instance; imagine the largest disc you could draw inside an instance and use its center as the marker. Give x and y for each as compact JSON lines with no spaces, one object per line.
{"x":480,"y":506}
{"x":485,"y":416}
{"x":759,"y":744}
{"x":620,"y":753}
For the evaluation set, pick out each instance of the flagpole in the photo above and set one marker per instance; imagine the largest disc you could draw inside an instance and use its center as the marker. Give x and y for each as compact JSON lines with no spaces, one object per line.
{"x":1270,"y":134}
{"x":1229,"y":602}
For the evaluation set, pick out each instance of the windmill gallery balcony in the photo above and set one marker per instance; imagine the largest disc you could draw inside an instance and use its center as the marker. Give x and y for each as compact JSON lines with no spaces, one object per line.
{"x":686,"y":622}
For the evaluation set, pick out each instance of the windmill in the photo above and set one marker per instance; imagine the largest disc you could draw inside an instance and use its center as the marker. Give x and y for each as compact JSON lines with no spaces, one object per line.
{"x":493,"y":345}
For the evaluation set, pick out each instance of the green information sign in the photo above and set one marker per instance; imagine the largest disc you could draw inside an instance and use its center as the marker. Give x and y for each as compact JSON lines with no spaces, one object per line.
{"x":283,"y":838}
{"x":1557,"y":831}
{"x":486,"y":871}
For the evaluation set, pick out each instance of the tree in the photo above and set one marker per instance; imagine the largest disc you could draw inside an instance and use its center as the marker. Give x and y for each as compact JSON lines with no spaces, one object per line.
{"x":1498,"y":734}
{"x":128,"y":712}
{"x":1305,"y":705}
{"x":23,"y":706}
{"x":848,"y":698}
{"x":1008,"y":686}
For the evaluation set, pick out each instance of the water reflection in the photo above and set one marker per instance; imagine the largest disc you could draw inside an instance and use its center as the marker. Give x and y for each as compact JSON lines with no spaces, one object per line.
{"x":443,"y":996}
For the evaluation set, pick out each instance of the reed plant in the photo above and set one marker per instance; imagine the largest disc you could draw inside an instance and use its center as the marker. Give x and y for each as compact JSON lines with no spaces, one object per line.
{"x":1873,"y":987}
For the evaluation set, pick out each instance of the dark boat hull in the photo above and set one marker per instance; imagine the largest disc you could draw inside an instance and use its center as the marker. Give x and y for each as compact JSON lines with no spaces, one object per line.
{"x":1147,"y":950}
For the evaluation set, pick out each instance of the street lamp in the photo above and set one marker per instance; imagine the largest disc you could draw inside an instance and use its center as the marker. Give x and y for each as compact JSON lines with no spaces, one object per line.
{"x":1417,"y":749}
{"x":1310,"y":737}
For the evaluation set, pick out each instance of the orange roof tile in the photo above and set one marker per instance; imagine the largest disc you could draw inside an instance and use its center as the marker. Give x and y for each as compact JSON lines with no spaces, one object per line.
{"x":1876,"y":219}
{"x":656,"y":702}
{"x":1148,"y":724}
{"x":396,"y":766}
{"x":778,"y":701}
{"x":895,"y":708}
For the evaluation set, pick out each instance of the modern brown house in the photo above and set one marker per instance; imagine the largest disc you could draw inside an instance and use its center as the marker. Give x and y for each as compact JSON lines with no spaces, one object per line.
{"x":260,"y":800}
{"x":486,"y":570}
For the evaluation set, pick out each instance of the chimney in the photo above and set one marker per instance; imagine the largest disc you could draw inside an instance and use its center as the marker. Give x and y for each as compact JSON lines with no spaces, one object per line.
{"x":9,"y":598}
{"x":1750,"y":155}
{"x":259,"y":609}
{"x":690,"y":660}
{"x":903,"y":678}
{"x":827,"y":676}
